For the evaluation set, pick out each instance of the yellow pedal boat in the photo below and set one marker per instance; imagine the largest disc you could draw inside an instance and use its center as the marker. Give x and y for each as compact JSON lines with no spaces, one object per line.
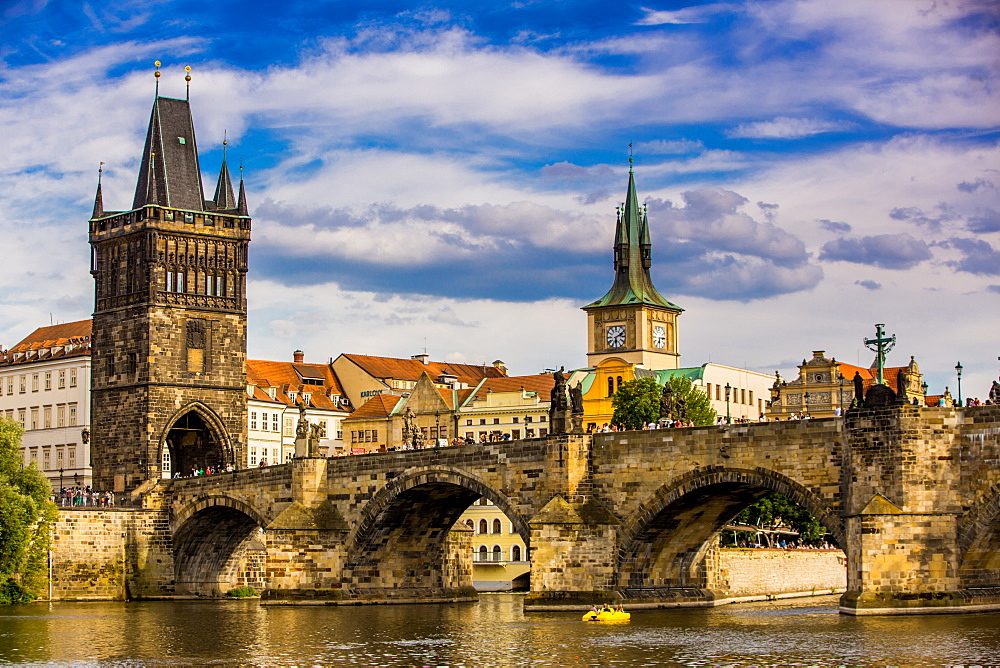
{"x":607,"y":615}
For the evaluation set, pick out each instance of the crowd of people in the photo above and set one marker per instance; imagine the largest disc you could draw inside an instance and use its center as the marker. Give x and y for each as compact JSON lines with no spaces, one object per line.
{"x":784,"y":544}
{"x":85,"y":496}
{"x":212,"y":470}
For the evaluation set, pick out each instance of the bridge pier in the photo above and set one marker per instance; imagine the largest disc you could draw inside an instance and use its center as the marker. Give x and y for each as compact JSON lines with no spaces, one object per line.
{"x":903,"y":488}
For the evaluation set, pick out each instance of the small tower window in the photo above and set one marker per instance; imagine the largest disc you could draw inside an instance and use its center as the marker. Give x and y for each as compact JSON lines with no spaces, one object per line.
{"x":181,"y":140}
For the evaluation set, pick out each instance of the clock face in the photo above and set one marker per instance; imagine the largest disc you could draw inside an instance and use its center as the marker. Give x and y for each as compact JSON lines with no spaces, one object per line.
{"x":616,"y":336}
{"x":659,"y":337}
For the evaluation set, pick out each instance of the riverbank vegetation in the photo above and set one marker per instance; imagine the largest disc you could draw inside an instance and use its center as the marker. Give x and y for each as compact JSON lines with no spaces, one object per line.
{"x":26,"y":518}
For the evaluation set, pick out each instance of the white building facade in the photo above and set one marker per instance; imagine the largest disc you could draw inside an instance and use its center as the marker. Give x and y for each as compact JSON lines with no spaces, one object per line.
{"x":45,"y":386}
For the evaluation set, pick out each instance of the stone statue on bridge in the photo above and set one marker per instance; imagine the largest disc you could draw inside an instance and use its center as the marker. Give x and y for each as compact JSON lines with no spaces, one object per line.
{"x":576,"y":403}
{"x":560,"y":418}
{"x":995,"y":392}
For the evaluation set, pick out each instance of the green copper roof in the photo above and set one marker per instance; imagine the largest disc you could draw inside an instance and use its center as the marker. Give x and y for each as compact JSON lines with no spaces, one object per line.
{"x":633,"y":284}
{"x":692,"y":373}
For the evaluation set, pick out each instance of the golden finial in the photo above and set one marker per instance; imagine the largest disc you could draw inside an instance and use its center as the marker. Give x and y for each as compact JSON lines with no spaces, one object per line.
{"x":187,"y":78}
{"x":100,"y":170}
{"x":157,"y":75}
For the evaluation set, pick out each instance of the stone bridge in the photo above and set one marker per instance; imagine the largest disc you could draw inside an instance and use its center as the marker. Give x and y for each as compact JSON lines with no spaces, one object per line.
{"x":911,"y":494}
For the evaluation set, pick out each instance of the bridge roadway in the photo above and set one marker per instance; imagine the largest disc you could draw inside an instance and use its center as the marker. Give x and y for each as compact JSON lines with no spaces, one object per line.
{"x":911,"y":494}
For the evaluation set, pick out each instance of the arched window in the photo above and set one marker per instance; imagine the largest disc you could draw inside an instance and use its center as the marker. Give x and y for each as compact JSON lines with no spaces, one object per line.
{"x":483,"y":553}
{"x":515,"y":553}
{"x":618,"y":380}
{"x":482,"y":528}
{"x":497,"y":554}
{"x":469,"y":523}
{"x":611,"y":386}
{"x":496,"y":527}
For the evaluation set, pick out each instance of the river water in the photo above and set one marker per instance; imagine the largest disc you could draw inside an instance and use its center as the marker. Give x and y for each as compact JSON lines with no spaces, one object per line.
{"x":494,"y":632}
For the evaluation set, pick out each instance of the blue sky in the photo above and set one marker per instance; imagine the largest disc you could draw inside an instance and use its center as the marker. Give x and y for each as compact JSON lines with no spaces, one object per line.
{"x":445,"y":175}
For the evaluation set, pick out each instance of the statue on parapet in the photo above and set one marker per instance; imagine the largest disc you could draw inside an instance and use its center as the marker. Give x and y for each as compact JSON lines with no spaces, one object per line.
{"x":995,"y":392}
{"x":576,"y":404}
{"x":559,"y":416}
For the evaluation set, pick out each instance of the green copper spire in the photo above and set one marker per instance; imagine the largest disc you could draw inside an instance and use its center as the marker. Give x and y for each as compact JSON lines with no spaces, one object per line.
{"x":633,"y":257}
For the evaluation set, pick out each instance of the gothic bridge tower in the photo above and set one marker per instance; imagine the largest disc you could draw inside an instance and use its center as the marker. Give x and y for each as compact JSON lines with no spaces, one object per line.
{"x":633,"y":321}
{"x":169,"y":334}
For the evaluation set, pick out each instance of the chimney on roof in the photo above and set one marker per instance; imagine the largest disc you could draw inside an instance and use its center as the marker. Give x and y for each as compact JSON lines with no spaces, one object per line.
{"x":818,"y":354}
{"x":298,"y":356}
{"x":500,"y":366}
{"x":423,"y":358}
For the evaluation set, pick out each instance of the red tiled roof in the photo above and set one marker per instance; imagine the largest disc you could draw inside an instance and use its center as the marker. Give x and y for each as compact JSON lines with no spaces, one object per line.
{"x":53,"y":333}
{"x":541,"y":383}
{"x":404,"y":369}
{"x":50,"y":343}
{"x":379,"y":406}
{"x":285,"y":376}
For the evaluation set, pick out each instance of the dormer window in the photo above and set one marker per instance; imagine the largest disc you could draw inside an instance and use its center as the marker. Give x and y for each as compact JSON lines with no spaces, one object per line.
{"x":272,"y":391}
{"x":306,"y":396}
{"x":292,"y":396}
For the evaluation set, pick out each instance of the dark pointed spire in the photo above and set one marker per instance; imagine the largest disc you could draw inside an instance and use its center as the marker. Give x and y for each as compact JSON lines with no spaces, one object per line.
{"x":241,"y":205}
{"x":99,"y":198}
{"x":632,"y":255}
{"x":224,"y":199}
{"x":169,"y":174}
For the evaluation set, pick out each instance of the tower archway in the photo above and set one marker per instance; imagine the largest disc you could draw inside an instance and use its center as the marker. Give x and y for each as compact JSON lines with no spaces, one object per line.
{"x":194,"y":439}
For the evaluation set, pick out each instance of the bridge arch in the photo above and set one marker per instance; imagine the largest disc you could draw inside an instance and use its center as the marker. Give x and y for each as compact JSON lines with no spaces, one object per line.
{"x":195,"y":437}
{"x":979,"y":541}
{"x":402,"y":540}
{"x":384,"y":499}
{"x":218,"y":544}
{"x":666,"y":540}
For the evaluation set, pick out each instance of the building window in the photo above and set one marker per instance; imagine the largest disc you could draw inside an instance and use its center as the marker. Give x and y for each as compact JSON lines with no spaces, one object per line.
{"x":72,"y":377}
{"x":60,"y":416}
{"x":20,"y":417}
{"x":541,"y":418}
{"x":718,"y":392}
{"x":618,"y":383}
{"x":496,"y":420}
{"x":290,"y":427}
{"x":48,"y":380}
{"x":469,"y":523}
{"x":10,"y":385}
{"x":708,"y":390}
{"x":514,"y":420}
{"x":34,"y":418}
{"x":253,"y":419}
{"x":72,"y":415}
{"x":34,"y":382}
{"x":750,"y":393}
{"x":274,"y":422}
{"x":482,"y":527}
{"x":527,"y":418}
{"x":529,"y":433}
{"x":515,"y":553}
{"x":497,"y":553}
{"x":482,"y":421}
{"x":374,"y":435}
{"x":62,"y":379}
{"x":253,"y":456}
{"x":46,"y":460}
{"x":743,"y":395}
{"x":611,"y":386}
{"x":59,"y":457}
{"x":496,"y":527}
{"x":468,"y":423}
{"x":71,"y":453}
{"x":515,"y":434}
{"x":543,"y":432}
{"x":22,"y":390}
{"x":470,"y":435}
{"x":47,"y":417}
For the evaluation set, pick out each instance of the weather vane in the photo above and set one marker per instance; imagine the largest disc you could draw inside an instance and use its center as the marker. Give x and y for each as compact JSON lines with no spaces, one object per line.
{"x":157,"y":75}
{"x":187,"y":79}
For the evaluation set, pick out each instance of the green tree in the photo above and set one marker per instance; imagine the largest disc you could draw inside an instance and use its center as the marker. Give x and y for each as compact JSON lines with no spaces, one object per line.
{"x":697,"y":406}
{"x":637,"y":402}
{"x":776,"y":509}
{"x":26,"y":517}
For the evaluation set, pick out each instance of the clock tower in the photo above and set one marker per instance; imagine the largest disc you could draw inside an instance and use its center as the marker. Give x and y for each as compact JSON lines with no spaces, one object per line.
{"x":633,"y":321}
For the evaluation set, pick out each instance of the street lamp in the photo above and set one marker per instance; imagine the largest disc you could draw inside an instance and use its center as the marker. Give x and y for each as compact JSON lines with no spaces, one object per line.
{"x":437,"y":428}
{"x":958,"y":371}
{"x":60,"y":480}
{"x":729,"y":389}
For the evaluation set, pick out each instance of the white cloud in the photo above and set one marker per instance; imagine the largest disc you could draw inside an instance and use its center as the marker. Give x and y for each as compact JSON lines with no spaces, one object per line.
{"x":786,"y":128}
